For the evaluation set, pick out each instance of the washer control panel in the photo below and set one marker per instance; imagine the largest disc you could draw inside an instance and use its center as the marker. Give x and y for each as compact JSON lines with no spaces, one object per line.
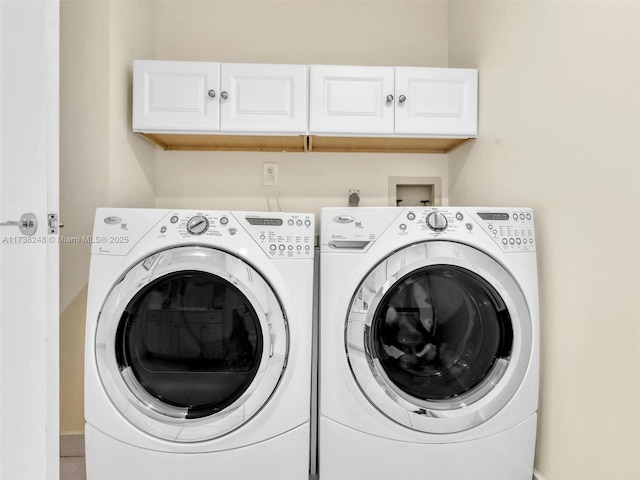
{"x":357,"y":229}
{"x":510,"y":228}
{"x":197,"y":225}
{"x":437,"y":221}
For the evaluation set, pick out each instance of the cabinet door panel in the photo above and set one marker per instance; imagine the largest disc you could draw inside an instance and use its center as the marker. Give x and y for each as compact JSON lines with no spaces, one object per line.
{"x":439,"y":101}
{"x":263,"y":98}
{"x":350,"y":100}
{"x":174,"y":96}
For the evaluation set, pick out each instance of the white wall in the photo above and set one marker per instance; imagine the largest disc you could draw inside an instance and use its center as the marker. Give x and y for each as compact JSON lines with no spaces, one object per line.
{"x":307,"y":181}
{"x":559,"y":130}
{"x":84,"y":174}
{"x":132,"y":35}
{"x":355,"y":32}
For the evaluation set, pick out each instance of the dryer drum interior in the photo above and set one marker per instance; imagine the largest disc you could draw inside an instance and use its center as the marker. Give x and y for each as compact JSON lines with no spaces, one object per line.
{"x":439,"y":331}
{"x":195,"y":340}
{"x":191,"y":341}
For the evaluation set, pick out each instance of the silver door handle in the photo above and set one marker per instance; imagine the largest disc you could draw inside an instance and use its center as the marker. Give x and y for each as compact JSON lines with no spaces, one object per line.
{"x":28,"y":224}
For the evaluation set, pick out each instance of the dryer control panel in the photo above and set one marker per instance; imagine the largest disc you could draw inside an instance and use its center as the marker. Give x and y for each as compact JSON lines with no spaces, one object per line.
{"x":281,"y":235}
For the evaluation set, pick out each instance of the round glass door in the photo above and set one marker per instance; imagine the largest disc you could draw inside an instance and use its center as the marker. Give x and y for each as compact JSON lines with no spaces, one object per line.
{"x":439,"y":331}
{"x":438,"y":336}
{"x":191,"y":341}
{"x":195,"y":339}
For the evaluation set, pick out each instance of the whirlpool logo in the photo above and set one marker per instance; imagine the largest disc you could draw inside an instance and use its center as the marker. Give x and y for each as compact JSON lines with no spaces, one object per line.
{"x":344,"y":219}
{"x":112,"y":220}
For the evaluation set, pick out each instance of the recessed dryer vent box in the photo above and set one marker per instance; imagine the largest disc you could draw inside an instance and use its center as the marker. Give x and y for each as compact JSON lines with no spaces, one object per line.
{"x":413,"y":191}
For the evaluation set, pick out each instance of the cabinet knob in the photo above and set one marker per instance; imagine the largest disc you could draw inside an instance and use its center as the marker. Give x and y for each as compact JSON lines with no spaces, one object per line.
{"x":402,"y":99}
{"x":212,"y":93}
{"x":224,"y":95}
{"x":389,"y":98}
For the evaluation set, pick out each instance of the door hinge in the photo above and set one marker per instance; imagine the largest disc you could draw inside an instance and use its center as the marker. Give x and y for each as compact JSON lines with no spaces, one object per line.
{"x":52,"y":221}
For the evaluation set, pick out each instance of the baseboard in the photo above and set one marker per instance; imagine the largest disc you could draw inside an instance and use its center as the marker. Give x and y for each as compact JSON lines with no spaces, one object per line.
{"x":72,"y":445}
{"x":537,"y":475}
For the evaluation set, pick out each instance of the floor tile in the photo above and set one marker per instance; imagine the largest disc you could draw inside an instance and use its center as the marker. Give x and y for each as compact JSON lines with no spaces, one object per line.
{"x":72,"y":468}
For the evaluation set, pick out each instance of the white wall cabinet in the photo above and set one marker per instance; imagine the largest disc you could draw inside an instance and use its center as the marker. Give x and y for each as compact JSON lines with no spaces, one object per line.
{"x":351,"y":100}
{"x":176,"y":96}
{"x":437,"y":102}
{"x":235,"y":106}
{"x":263,"y":98}
{"x":209,"y":97}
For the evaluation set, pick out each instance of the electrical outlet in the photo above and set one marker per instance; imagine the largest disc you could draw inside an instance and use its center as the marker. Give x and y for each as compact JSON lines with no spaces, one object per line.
{"x":269,"y":174}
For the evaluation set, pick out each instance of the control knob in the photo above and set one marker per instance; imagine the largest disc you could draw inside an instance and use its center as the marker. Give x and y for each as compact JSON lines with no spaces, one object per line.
{"x":437,"y":221}
{"x":197,"y":225}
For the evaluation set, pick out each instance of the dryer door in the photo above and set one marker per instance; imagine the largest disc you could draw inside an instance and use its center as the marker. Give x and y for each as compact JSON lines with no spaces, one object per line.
{"x":191,"y":343}
{"x":438,"y":336}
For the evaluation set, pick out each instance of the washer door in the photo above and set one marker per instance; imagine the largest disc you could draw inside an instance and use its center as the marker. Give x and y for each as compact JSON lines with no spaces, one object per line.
{"x":438,"y":337}
{"x":191,"y":343}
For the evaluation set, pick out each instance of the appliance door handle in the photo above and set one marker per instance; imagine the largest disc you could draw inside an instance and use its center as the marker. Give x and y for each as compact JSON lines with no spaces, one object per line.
{"x":349,"y":244}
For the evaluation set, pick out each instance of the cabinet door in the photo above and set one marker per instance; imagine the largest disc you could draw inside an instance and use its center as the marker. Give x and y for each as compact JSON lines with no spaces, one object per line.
{"x":175,"y":96}
{"x":263,"y":98}
{"x":436,"y":101}
{"x":350,"y":99}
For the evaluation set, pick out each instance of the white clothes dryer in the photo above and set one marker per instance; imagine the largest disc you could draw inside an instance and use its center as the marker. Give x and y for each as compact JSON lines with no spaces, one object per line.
{"x":428,"y":343}
{"x":198,"y":345}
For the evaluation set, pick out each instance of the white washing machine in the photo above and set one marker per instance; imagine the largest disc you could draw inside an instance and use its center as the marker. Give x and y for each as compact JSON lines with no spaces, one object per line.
{"x":428,"y":343}
{"x":198,"y":345}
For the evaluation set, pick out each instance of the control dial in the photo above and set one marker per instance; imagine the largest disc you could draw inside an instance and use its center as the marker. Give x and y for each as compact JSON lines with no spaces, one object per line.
{"x":437,"y":221}
{"x":197,"y":225}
